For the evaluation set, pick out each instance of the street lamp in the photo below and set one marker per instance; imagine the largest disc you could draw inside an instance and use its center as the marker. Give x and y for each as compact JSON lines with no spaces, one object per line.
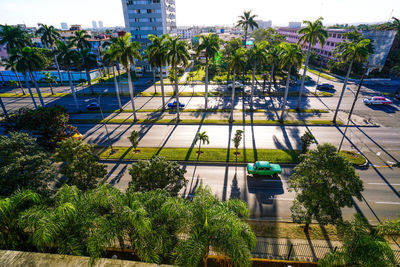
{"x":104,"y":123}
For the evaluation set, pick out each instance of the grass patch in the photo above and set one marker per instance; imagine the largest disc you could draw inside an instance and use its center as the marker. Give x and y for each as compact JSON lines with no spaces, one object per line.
{"x":209,"y":154}
{"x":354,"y":158}
{"x":323,"y":75}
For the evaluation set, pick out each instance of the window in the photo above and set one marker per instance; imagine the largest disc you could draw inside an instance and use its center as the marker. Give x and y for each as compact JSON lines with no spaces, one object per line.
{"x":136,"y":19}
{"x":334,"y":36}
{"x":339,"y":36}
{"x":129,"y":2}
{"x":156,"y":1}
{"x":154,"y":28}
{"x":137,"y":28}
{"x":149,"y":11}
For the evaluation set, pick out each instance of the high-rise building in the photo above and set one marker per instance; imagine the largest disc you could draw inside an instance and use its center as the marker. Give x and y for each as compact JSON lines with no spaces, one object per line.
{"x":264,"y":24}
{"x":294,"y":25}
{"x":94,"y":24}
{"x":101,"y":24}
{"x":144,"y":17}
{"x":64,"y":26}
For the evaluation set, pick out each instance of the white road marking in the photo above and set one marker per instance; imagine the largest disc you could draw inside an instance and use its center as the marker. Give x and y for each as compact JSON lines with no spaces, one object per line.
{"x":390,"y":203}
{"x":271,"y":180}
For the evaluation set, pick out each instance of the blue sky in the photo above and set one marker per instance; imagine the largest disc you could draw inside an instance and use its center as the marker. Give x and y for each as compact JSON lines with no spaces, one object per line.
{"x":199,"y":12}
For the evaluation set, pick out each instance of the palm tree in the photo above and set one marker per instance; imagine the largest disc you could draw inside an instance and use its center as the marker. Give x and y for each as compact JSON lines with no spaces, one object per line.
{"x":177,"y":54}
{"x":236,"y":62}
{"x":291,"y":55}
{"x":247,"y":22}
{"x":217,"y":225}
{"x":3,"y":107}
{"x":49,"y":36}
{"x":202,"y":138}
{"x":314,"y":32}
{"x":13,"y":37}
{"x":126,"y":52}
{"x":209,"y":46}
{"x":68,"y":57}
{"x":89,"y":61}
{"x":158,"y":57}
{"x":27,"y":61}
{"x":109,"y":61}
{"x":257,"y":56}
{"x":80,"y":39}
{"x":273,"y":53}
{"x":12,"y":65}
{"x":49,"y":79}
{"x":350,"y":52}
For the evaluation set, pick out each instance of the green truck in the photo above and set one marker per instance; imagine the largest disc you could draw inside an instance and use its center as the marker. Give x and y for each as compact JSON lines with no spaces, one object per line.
{"x":263,"y":168}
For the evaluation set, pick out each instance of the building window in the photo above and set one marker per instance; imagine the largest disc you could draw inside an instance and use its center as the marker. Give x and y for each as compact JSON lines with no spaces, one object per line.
{"x":156,"y":1}
{"x":339,"y":36}
{"x":137,"y":28}
{"x":154,"y":28}
{"x":129,"y":2}
{"x":149,"y":11}
{"x":136,"y":19}
{"x":334,"y":36}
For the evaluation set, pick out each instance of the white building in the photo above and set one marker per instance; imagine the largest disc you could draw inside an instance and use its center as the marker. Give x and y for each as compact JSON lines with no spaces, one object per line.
{"x":64,"y":26}
{"x":294,"y":25}
{"x":101,"y":26}
{"x":94,"y":24}
{"x":187,"y":32}
{"x":264,"y":24}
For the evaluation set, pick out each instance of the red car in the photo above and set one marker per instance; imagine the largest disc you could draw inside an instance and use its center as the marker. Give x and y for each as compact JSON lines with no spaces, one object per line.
{"x":377,"y":100}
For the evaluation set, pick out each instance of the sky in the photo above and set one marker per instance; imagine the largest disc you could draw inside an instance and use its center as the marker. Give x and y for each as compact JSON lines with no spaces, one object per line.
{"x":200,"y":12}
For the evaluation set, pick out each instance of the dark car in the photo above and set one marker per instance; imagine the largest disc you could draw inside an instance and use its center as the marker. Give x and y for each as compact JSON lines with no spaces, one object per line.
{"x":173,"y":105}
{"x":93,"y":106}
{"x":325,"y":86}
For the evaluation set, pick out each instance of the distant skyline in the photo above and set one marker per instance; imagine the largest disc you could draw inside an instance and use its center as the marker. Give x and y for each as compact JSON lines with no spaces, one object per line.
{"x":205,"y":12}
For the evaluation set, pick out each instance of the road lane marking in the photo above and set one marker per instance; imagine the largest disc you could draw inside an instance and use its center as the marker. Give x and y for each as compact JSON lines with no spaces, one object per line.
{"x":390,"y":203}
{"x":266,"y":180}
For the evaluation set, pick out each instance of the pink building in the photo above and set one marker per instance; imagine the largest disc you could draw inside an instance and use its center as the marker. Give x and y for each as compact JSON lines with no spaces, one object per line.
{"x":335,"y":37}
{"x":3,"y":52}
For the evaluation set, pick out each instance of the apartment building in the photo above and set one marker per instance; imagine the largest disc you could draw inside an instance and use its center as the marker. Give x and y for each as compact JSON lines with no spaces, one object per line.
{"x":144,"y":17}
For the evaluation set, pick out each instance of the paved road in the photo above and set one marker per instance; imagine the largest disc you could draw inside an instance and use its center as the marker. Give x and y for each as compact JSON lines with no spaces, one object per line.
{"x":269,"y":198}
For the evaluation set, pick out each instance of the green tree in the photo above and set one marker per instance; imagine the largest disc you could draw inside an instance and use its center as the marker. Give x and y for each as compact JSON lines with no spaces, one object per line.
{"x":13,"y":37}
{"x":177,"y":54}
{"x":236,"y":140}
{"x":312,"y":34}
{"x":68,"y":57}
{"x":202,"y":138}
{"x":236,"y":63}
{"x":49,"y":124}
{"x":247,"y":21}
{"x":209,"y":47}
{"x":257,"y":56}
{"x":390,"y":227}
{"x":80,"y":39}
{"x":126,"y":52}
{"x":134,"y":139}
{"x":11,"y":64}
{"x":81,"y":164}
{"x":218,"y":225}
{"x":273,"y":54}
{"x":24,"y":165}
{"x":89,"y":61}
{"x":320,"y":173}
{"x":157,"y":173}
{"x":49,"y":79}
{"x":362,"y":246}
{"x":157,"y":55}
{"x":12,"y":234}
{"x":290,"y":55}
{"x":49,"y":35}
{"x":109,"y":59}
{"x":306,"y":140}
{"x":270,"y":35}
{"x":350,"y":52}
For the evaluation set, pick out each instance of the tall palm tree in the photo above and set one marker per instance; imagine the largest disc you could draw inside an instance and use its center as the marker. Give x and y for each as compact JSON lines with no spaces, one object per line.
{"x":49,"y":79}
{"x":257,"y":56}
{"x":109,"y":61}
{"x":49,"y":36}
{"x":12,"y":65}
{"x":291,"y":55}
{"x":273,"y":53}
{"x":13,"y":37}
{"x":3,"y":107}
{"x":247,"y":21}
{"x":27,"y":60}
{"x":80,"y":39}
{"x":158,"y":57}
{"x":314,"y":32}
{"x":209,"y":46}
{"x":126,"y":52}
{"x":177,"y":54}
{"x":350,"y":52}
{"x":68,"y":57}
{"x":89,"y":61}
{"x":236,"y":63}
{"x":202,"y":137}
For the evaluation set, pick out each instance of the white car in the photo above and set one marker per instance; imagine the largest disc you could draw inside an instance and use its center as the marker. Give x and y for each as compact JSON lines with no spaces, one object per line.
{"x":377,"y":100}
{"x":238,"y":85}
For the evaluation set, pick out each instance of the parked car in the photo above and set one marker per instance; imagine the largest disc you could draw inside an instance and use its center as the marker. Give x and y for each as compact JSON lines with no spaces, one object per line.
{"x":377,"y":100}
{"x":325,"y":86}
{"x":263,"y":168}
{"x":174,"y":105}
{"x":238,"y":85}
{"x":93,"y":106}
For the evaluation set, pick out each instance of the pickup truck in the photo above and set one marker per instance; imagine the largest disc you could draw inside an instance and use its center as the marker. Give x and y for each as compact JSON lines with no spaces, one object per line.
{"x":263,"y":168}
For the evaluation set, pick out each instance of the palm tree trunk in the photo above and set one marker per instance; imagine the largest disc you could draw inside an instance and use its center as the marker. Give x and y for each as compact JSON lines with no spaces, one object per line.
{"x":271,"y":78}
{"x":37,"y":88}
{"x":233,"y":96}
{"x":154,"y":80}
{"x":19,"y":82}
{"x":117,"y":89}
{"x":131,"y":92}
{"x":162,"y":87}
{"x":3,"y":107}
{"x":2,"y":77}
{"x":252,"y":89}
{"x":342,"y":93}
{"x":30,"y":90}
{"x":51,"y":88}
{"x":89,"y":81}
{"x":177,"y":93}
{"x":304,"y":77}
{"x":58,"y":70}
{"x":206,"y":88}
{"x":281,"y":119}
{"x":71,"y":85}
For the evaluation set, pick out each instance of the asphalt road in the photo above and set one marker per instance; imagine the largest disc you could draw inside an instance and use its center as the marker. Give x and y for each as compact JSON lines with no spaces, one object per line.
{"x":269,"y":198}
